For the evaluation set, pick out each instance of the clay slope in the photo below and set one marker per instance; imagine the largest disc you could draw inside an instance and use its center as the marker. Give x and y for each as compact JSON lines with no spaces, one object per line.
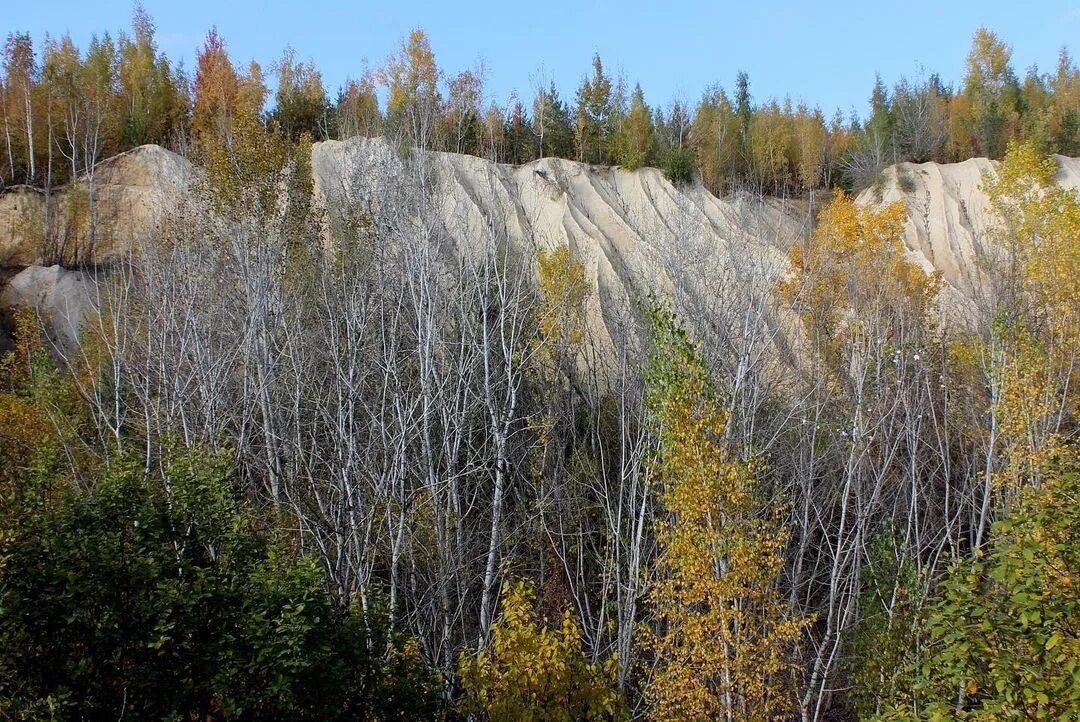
{"x":635,"y":233}
{"x":949,"y":215}
{"x":132,"y":195}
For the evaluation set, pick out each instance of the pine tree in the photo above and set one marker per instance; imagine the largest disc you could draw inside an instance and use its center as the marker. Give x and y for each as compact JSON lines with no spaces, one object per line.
{"x":671,"y":143}
{"x":551,"y":124}
{"x":744,"y":110}
{"x":462,"y":115}
{"x":594,"y":115}
{"x":520,"y":145}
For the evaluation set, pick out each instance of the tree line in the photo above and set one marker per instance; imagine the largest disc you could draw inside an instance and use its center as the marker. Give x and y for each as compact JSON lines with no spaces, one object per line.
{"x":64,"y":109}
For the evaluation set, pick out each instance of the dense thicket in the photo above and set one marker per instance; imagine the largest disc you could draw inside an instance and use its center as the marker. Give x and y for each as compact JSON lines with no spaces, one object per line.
{"x":160,"y":592}
{"x":64,"y":109}
{"x":374,"y":463}
{"x":414,"y":416}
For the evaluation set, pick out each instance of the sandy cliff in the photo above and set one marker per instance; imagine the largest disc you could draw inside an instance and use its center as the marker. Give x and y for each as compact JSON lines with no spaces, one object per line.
{"x":133,"y":194}
{"x":948,"y":212}
{"x":634,"y":232}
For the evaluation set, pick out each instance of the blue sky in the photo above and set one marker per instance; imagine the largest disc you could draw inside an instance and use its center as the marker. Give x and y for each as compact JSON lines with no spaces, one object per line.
{"x":823,"y":52}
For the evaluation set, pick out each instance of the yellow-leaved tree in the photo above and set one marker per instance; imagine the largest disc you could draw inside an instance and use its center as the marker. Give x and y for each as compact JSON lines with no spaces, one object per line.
{"x":1036,"y":331}
{"x":724,"y":642}
{"x":561,"y":314}
{"x":534,"y":671}
{"x":854,"y":262}
{"x":558,"y":345}
{"x":1039,"y":229}
{"x":411,"y":78}
{"x":866,"y":319}
{"x":561,"y":325}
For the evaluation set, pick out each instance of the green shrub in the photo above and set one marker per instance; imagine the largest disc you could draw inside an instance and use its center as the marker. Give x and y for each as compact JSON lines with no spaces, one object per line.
{"x":159,"y":596}
{"x":678,"y":165}
{"x":1000,"y":641}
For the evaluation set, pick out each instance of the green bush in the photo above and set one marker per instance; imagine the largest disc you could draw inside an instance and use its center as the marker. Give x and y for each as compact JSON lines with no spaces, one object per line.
{"x":159,"y":596}
{"x":1000,"y":641}
{"x":678,"y":165}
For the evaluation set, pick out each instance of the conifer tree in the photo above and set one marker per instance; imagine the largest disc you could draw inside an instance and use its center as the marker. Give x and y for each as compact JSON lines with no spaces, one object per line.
{"x":594,"y":115}
{"x":551,"y":124}
{"x":520,"y":145}
{"x":671,"y":143}
{"x":462,"y":114}
{"x":744,"y":110}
